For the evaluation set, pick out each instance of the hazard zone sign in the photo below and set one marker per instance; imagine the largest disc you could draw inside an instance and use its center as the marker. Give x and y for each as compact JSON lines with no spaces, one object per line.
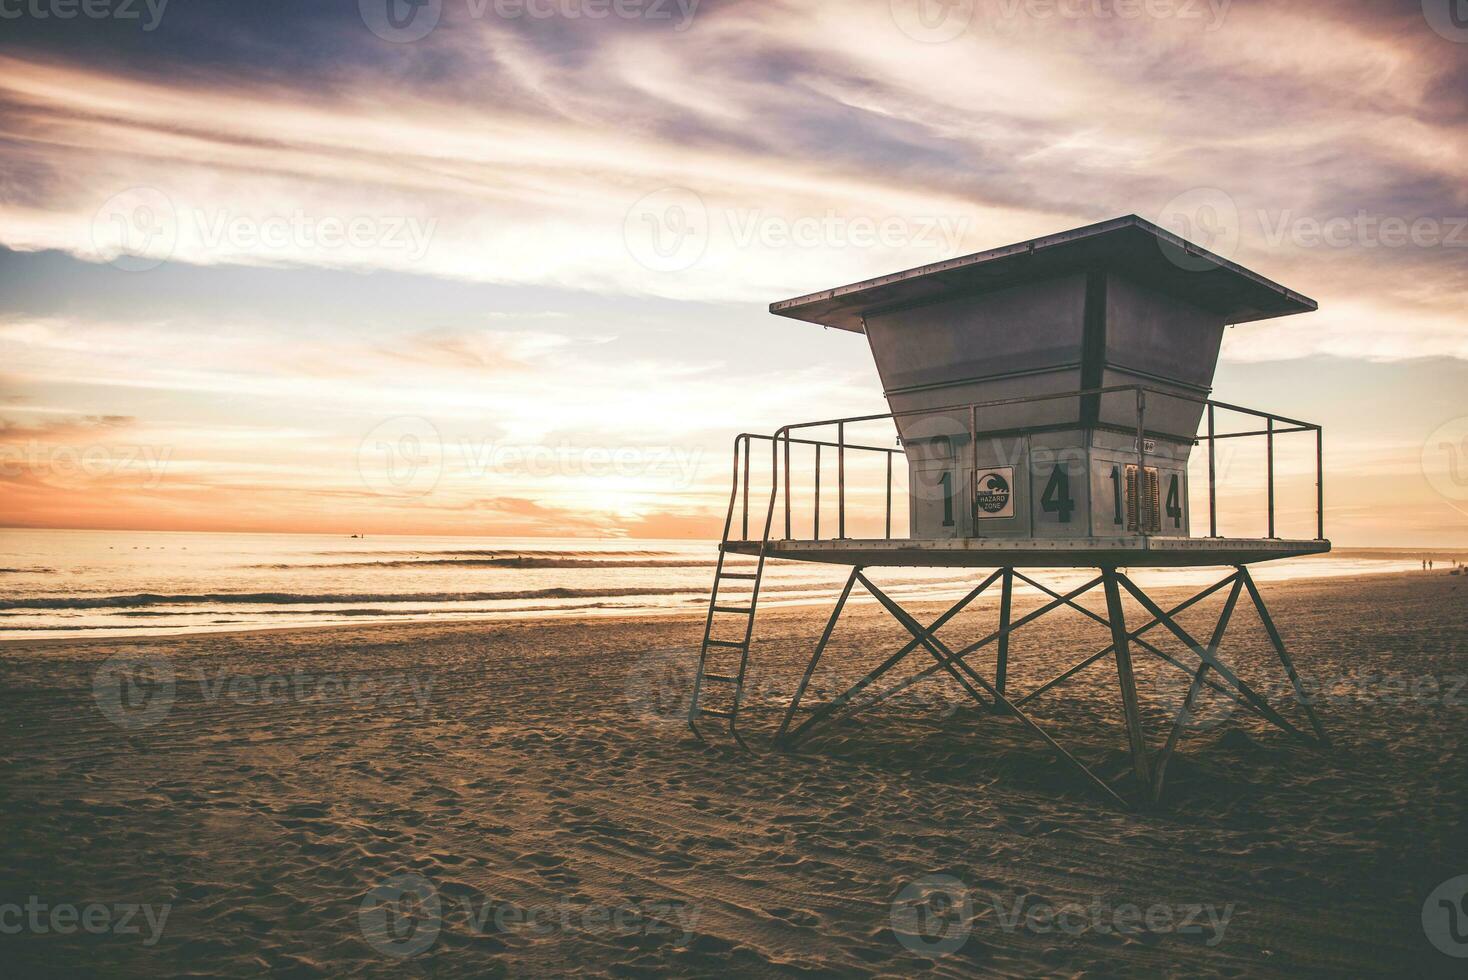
{"x":994,"y":493}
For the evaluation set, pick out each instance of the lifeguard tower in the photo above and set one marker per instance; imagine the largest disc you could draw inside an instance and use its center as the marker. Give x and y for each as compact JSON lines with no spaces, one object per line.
{"x":1047,"y":397}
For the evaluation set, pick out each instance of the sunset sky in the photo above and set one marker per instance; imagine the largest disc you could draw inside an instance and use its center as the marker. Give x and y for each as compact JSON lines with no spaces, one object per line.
{"x":246,"y":246}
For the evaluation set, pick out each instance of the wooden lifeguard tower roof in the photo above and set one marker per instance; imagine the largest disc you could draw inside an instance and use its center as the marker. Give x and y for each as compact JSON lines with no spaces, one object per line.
{"x":1129,"y":245}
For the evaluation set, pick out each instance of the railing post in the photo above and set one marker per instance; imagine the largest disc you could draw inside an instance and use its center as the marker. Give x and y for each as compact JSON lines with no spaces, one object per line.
{"x":973,"y":468}
{"x":1269,"y":444}
{"x":1319,"y":487}
{"x":748,"y":451}
{"x":1212,"y":477}
{"x":1143,"y":526}
{"x":889,"y":496}
{"x":840,"y":479}
{"x":816,"y":531}
{"x":787,"y":484}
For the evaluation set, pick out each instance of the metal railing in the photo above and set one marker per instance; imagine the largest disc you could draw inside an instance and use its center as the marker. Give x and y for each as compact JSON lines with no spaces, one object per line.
{"x":782,"y":440}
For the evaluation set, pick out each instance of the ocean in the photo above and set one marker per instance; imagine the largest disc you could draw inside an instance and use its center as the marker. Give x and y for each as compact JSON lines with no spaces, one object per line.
{"x":57,"y":583}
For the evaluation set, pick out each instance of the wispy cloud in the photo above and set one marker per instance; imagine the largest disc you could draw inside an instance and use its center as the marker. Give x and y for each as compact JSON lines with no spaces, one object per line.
{"x":759,"y":150}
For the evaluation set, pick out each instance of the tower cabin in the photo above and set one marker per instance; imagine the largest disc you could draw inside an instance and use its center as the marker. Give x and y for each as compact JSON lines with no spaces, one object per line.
{"x":1022,"y":379}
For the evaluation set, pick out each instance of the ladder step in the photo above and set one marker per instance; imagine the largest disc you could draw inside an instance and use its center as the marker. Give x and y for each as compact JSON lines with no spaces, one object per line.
{"x":726,"y":678}
{"x":716,"y":712}
{"x":745,"y":610}
{"x":735,"y":644}
{"x":750,"y":576}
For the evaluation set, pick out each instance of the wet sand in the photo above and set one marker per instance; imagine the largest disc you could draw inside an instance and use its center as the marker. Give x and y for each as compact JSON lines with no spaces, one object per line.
{"x":256,"y":809}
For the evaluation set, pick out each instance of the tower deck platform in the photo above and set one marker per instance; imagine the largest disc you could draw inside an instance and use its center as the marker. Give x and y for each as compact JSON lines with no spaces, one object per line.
{"x":1124,"y":552}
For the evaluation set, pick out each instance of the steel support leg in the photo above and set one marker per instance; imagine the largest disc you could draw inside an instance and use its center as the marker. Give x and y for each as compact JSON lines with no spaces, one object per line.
{"x":1128,"y":682}
{"x":1217,"y":666}
{"x":1284,"y":657}
{"x":816,"y":657}
{"x":1187,"y":706}
{"x":1001,"y":666}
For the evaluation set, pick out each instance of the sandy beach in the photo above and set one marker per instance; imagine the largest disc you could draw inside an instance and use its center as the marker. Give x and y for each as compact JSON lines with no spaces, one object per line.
{"x":237,"y":802}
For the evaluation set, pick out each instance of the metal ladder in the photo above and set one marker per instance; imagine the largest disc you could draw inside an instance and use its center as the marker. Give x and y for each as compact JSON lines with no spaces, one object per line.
{"x":725,"y":675}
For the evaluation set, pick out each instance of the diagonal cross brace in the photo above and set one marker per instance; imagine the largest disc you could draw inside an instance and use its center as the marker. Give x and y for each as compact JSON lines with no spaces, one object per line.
{"x":1135,"y":636}
{"x":1284,"y":657}
{"x":834,"y":705}
{"x":947,"y":658}
{"x":1215,"y":664}
{"x":927,"y":672}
